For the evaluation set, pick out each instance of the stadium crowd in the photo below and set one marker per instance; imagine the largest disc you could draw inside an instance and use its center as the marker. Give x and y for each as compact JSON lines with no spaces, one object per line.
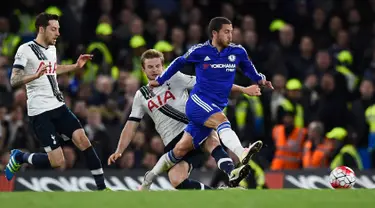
{"x":319,"y":54}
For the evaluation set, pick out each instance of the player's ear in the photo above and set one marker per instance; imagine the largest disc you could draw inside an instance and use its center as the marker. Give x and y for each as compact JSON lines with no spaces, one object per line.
{"x":42,"y":29}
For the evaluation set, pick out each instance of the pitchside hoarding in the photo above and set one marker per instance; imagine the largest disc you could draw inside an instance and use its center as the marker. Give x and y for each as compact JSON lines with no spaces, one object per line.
{"x":130,"y":180}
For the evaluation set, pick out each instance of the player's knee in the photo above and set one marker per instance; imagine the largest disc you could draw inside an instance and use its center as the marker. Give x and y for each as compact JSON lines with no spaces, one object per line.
{"x":215,"y":120}
{"x":58,"y":162}
{"x":80,"y":140}
{"x":177,"y":176}
{"x":177,"y":180}
{"x":210,"y":144}
{"x":182,"y":148}
{"x":179,"y":151}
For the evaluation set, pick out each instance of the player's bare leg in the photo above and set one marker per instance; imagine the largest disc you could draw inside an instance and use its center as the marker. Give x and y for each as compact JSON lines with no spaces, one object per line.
{"x":224,"y":162}
{"x":211,"y":145}
{"x":230,"y":139}
{"x":168,"y":160}
{"x":178,"y":173}
{"x":93,"y":162}
{"x":179,"y":177}
{"x":53,"y":159}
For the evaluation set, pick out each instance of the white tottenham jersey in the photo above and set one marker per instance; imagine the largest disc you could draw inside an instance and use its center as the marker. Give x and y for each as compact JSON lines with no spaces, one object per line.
{"x":43,"y":94}
{"x":165,"y":104}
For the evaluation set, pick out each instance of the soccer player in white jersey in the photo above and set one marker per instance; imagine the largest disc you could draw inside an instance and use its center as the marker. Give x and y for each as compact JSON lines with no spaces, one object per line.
{"x":166,"y":104}
{"x":36,"y":66}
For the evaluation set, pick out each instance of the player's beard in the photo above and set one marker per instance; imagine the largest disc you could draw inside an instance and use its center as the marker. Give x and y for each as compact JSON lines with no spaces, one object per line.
{"x":51,"y":41}
{"x":224,"y":43}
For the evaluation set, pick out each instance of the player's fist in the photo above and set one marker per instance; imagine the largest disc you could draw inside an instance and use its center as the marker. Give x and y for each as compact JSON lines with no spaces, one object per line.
{"x":82,"y":60}
{"x":153,"y":83}
{"x":252,"y":90}
{"x":42,"y":70}
{"x":114,"y":157}
{"x":266,"y":83}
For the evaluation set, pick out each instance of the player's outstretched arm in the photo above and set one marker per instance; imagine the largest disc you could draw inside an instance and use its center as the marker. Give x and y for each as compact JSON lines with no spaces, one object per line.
{"x":81,"y":61}
{"x":19,"y":77}
{"x":189,"y":57}
{"x":172,"y":69}
{"x":126,"y":137}
{"x":252,"y":90}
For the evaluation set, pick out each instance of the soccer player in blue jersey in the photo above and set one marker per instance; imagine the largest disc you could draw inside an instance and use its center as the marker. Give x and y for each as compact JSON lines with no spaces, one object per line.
{"x":215,"y":61}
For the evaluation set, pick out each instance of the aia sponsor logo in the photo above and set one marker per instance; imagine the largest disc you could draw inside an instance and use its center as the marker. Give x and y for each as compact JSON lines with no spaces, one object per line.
{"x":160,"y":100}
{"x":51,"y":67}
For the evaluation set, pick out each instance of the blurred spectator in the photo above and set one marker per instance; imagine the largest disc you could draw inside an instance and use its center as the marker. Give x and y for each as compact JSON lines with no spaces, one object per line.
{"x":4,"y":158}
{"x":289,"y":140}
{"x":122,"y":31}
{"x":97,"y":134}
{"x":103,"y":90}
{"x":335,"y":25}
{"x":317,"y":149}
{"x":149,"y":160}
{"x":248,"y":23}
{"x":5,"y":89}
{"x":237,"y":36}
{"x":17,"y":134}
{"x":332,"y":107}
{"x":359,"y":109}
{"x":318,"y":30}
{"x":157,"y":145}
{"x":127,"y":161}
{"x":194,"y":35}
{"x":178,"y":41}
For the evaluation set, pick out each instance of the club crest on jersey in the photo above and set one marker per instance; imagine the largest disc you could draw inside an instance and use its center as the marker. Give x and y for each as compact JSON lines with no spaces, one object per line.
{"x":160,"y":100}
{"x":232,"y":58}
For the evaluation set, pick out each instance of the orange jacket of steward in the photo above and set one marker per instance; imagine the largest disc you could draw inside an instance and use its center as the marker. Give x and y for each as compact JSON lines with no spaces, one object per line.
{"x":289,"y":150}
{"x":317,"y":158}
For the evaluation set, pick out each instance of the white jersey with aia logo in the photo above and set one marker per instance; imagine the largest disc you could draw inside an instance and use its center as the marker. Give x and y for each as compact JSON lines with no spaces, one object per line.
{"x":43,"y":94}
{"x":165,"y":104}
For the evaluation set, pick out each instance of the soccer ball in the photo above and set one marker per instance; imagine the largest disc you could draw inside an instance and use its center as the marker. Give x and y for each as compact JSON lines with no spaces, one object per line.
{"x":342,"y":177}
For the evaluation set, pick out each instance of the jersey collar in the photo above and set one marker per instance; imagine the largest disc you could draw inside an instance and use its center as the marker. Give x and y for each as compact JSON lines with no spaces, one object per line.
{"x":40,"y":45}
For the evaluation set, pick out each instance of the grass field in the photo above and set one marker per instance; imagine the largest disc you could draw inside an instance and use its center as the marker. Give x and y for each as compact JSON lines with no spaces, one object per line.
{"x":193,"y":199}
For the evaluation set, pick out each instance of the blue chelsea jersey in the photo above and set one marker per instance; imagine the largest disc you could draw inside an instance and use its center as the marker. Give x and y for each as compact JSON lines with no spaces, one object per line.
{"x":215,"y":71}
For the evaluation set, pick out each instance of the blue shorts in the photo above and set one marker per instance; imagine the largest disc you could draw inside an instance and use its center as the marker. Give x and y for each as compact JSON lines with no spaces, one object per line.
{"x":198,"y":110}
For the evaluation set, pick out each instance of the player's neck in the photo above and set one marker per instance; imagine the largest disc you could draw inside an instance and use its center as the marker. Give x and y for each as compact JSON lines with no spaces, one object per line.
{"x":41,"y":42}
{"x":216,"y":45}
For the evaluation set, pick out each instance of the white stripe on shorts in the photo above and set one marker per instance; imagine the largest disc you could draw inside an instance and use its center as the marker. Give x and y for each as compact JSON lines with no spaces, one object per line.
{"x":201,"y":103}
{"x":202,"y":186}
{"x":30,"y":159}
{"x":97,"y":171}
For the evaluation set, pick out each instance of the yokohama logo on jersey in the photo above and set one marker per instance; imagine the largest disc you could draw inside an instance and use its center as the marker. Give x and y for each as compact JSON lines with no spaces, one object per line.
{"x":51,"y":68}
{"x":160,"y":100}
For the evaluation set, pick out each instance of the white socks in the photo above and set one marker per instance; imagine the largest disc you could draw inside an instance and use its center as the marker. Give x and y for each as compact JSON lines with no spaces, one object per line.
{"x":230,"y":139}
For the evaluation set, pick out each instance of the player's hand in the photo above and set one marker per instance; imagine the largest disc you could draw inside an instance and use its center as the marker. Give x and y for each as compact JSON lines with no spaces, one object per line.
{"x":252,"y":90}
{"x":266,"y":83}
{"x":153,"y":83}
{"x":82,"y":60}
{"x":41,"y":71}
{"x":114,"y":157}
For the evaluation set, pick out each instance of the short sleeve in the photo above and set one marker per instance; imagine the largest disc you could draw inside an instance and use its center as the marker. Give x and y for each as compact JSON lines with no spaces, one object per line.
{"x":20,"y":59}
{"x":138,"y":111}
{"x":188,"y":81}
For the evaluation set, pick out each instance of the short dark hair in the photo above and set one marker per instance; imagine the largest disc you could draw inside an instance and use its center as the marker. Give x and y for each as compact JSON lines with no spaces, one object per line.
{"x":42,"y":20}
{"x":216,"y":24}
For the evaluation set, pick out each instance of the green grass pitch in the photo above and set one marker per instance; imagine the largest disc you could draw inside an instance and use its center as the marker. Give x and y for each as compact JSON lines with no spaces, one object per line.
{"x":294,"y":198}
